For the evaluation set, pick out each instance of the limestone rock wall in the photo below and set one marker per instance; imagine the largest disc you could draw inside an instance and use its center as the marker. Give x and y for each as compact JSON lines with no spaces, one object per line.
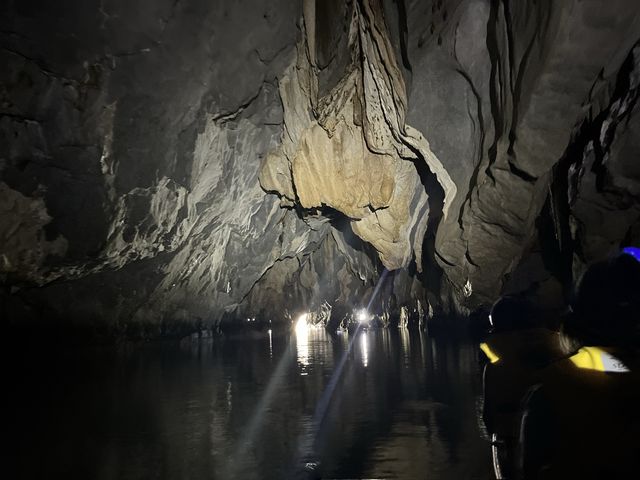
{"x":595,"y":192}
{"x":498,"y":88}
{"x":350,"y":149}
{"x":131,"y":143}
{"x":168,"y":164}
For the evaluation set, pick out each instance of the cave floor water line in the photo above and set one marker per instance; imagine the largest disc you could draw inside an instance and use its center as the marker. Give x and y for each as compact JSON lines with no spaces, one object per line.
{"x":404,"y":405}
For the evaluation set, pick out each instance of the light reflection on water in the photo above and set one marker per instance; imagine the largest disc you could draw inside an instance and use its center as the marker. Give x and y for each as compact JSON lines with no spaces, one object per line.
{"x":406,"y":344}
{"x":404,"y":406}
{"x":364,"y":348}
{"x":313,"y":348}
{"x":302,"y":348}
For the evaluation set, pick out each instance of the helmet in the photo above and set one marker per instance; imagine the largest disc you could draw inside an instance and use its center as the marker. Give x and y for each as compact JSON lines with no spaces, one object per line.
{"x":607,"y":302}
{"x":511,"y":312}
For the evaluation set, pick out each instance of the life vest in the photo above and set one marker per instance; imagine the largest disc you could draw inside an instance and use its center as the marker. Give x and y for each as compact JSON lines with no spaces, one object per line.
{"x":516,"y":359}
{"x":582,"y":421}
{"x":598,"y":359}
{"x":491,"y":355}
{"x":529,"y":348}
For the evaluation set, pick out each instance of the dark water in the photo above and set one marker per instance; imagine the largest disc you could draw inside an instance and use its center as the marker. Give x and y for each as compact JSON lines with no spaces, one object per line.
{"x":397,"y":404}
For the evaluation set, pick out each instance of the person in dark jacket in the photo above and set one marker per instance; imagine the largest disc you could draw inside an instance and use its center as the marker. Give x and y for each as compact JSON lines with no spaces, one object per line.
{"x":518,"y":349}
{"x":582,"y":421}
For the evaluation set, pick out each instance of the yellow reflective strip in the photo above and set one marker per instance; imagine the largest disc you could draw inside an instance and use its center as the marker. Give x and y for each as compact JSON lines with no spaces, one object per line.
{"x":588,"y":358}
{"x":596,"y":353}
{"x":582,"y":359}
{"x":493,"y":358}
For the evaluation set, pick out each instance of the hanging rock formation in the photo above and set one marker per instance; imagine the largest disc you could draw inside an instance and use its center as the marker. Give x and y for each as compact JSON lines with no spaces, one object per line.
{"x":350,"y":149}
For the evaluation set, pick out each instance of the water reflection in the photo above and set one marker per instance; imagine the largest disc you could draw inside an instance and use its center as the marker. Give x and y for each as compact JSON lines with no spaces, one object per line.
{"x":406,"y":344}
{"x":364,"y":347}
{"x":313,"y":348}
{"x":401,"y":408}
{"x":302,"y":346}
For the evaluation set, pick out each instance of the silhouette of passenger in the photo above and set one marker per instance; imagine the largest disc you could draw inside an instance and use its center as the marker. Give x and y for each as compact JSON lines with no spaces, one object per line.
{"x":583,"y":420}
{"x":518,"y":348}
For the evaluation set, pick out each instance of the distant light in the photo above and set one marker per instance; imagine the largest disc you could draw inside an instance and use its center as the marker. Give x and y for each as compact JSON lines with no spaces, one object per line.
{"x":362,"y":316}
{"x":633,"y":251}
{"x":302,"y":326}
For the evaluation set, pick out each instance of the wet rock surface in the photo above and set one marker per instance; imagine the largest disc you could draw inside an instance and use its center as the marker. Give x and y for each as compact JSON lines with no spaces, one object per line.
{"x":166,"y":166}
{"x":503,"y":85}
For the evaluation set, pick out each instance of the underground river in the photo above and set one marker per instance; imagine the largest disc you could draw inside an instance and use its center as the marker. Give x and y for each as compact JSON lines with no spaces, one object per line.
{"x":302,"y":404}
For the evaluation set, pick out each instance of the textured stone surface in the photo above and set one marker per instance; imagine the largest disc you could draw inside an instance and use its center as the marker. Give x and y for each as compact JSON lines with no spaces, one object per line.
{"x":165,"y":165}
{"x":135,"y":153}
{"x":350,"y":149}
{"x":24,"y":245}
{"x":498,"y":88}
{"x":601,"y":208}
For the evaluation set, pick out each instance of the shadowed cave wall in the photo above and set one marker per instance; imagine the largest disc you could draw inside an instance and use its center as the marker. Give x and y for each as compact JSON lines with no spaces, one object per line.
{"x":167,"y":165}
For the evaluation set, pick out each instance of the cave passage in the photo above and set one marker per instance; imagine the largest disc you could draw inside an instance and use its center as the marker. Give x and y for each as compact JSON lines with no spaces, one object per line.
{"x":255,"y":239}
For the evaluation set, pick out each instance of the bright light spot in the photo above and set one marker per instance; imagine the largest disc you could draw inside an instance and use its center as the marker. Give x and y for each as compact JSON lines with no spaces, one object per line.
{"x":270,"y":343}
{"x":362,"y":316}
{"x":302,"y":327}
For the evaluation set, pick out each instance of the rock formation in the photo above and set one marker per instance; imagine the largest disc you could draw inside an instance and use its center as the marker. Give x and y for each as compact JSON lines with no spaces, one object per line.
{"x":350,"y":148}
{"x":168,"y":165}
